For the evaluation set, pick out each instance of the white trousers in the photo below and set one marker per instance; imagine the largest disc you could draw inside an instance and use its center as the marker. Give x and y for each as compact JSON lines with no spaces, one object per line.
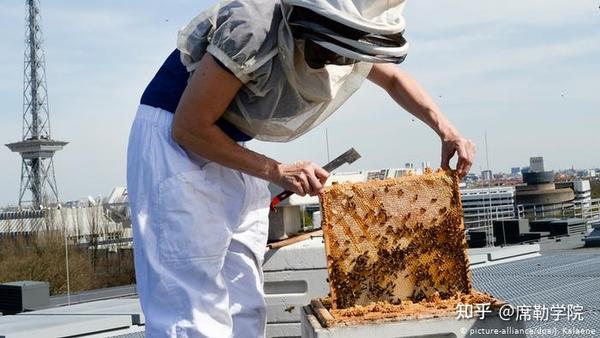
{"x":199,"y":236}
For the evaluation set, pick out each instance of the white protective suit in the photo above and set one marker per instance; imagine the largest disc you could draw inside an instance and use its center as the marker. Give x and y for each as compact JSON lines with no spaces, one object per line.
{"x":200,"y":232}
{"x":200,"y":229}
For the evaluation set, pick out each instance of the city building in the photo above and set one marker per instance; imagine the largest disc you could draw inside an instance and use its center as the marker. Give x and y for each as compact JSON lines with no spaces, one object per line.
{"x":470,"y":179}
{"x":486,"y":175}
{"x":482,"y":205}
{"x":536,"y":164}
{"x":107,"y":221}
{"x":539,"y":194}
{"x":587,"y":173}
{"x":582,"y":190}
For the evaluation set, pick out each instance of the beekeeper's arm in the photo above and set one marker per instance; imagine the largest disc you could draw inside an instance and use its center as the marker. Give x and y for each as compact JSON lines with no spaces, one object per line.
{"x":206,"y":97}
{"x":408,"y":93}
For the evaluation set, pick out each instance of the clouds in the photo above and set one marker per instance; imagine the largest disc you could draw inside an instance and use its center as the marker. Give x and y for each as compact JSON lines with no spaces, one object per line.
{"x":524,"y":71}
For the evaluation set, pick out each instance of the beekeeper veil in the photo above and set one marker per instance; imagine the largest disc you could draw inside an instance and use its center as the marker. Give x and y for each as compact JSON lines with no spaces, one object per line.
{"x":299,"y":60}
{"x":349,"y":30}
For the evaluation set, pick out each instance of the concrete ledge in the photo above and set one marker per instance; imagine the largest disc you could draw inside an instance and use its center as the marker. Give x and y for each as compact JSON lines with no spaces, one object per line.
{"x":498,"y":255}
{"x":284,"y":330}
{"x":513,"y":251}
{"x":86,"y":318}
{"x":476,"y":259}
{"x":437,"y":327}
{"x":309,"y":254}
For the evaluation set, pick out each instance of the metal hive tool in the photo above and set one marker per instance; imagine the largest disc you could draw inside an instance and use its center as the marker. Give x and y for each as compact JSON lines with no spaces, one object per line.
{"x":394,"y":240}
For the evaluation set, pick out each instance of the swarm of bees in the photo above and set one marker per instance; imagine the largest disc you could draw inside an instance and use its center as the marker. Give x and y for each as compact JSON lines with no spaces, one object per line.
{"x":395,"y":240}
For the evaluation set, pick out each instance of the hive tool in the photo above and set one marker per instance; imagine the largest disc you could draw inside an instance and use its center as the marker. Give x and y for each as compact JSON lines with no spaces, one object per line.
{"x":348,"y":157}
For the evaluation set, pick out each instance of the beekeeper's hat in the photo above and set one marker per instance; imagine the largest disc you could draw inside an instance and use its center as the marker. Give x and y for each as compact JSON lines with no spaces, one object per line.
{"x":363,"y":30}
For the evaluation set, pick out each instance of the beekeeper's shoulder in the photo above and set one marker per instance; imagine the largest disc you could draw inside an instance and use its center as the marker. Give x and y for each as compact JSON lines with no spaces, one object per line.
{"x":245,"y":35}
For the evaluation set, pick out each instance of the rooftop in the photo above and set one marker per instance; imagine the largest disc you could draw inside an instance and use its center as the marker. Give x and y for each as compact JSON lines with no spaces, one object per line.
{"x":566,"y":274}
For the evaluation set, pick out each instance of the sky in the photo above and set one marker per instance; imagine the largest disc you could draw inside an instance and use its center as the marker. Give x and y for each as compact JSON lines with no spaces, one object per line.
{"x":524,"y":73}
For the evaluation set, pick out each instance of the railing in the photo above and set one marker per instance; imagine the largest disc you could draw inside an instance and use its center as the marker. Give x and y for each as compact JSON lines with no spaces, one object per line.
{"x":588,"y":210}
{"x":484,"y":217}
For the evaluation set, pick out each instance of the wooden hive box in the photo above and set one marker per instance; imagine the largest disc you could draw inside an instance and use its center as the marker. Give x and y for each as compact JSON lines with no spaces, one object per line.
{"x":395,"y":240}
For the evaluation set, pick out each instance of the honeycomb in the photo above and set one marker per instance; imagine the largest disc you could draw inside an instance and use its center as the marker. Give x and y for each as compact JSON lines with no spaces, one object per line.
{"x":395,"y":240}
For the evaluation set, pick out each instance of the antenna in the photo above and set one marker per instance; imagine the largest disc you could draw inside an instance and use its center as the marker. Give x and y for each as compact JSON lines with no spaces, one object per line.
{"x":487,"y":158}
{"x":37,"y":147}
{"x":490,"y":235}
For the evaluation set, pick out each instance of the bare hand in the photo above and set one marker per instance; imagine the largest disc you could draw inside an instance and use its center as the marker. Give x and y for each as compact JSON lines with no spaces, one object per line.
{"x":466,"y":153}
{"x":303,"y":178}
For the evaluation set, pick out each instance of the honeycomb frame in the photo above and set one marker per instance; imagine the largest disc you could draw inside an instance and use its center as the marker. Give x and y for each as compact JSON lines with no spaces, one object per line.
{"x":395,"y":240}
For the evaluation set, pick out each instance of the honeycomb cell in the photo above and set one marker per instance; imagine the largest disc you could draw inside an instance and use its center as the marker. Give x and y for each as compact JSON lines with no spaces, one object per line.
{"x":398,"y":240}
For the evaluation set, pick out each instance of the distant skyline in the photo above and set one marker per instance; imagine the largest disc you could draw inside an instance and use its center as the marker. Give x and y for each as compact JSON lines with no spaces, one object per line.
{"x":526,"y":73}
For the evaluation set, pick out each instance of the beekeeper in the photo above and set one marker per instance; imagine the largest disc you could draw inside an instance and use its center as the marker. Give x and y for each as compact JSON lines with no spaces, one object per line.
{"x":269,"y":70}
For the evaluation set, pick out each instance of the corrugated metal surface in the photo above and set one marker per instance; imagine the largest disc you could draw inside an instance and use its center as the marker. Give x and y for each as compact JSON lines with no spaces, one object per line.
{"x":21,"y":221}
{"x":551,"y":280}
{"x":591,"y":322}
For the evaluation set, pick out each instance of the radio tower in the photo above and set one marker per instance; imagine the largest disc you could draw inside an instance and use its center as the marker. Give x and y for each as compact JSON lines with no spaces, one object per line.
{"x":37,"y":147}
